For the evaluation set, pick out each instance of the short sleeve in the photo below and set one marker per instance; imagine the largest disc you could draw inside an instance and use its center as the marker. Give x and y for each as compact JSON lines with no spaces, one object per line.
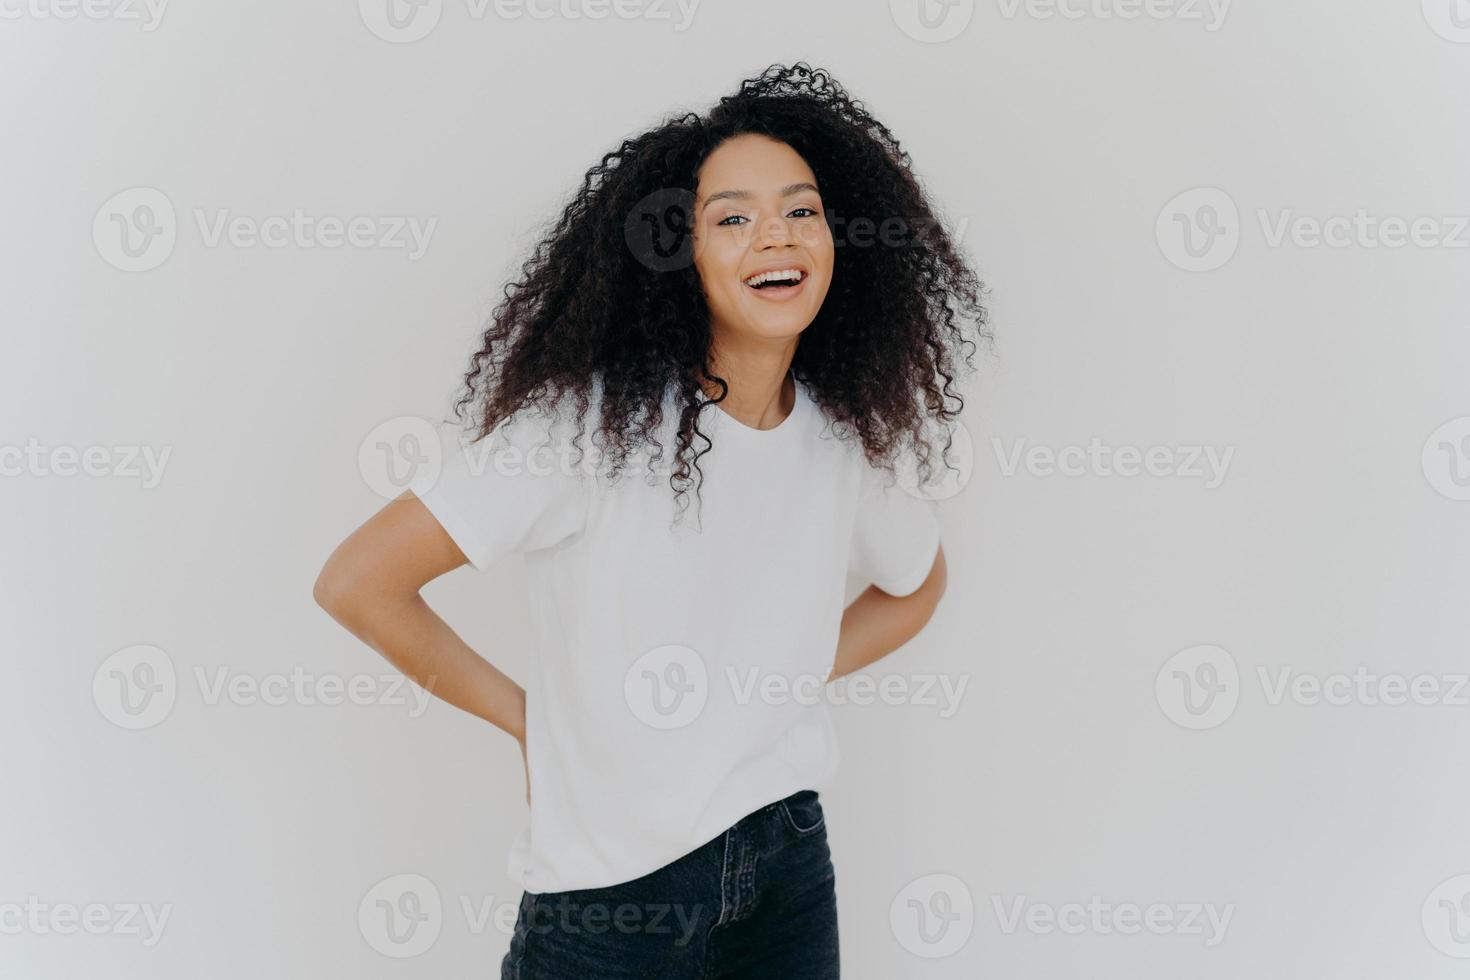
{"x":895,"y":535}
{"x":519,"y":489}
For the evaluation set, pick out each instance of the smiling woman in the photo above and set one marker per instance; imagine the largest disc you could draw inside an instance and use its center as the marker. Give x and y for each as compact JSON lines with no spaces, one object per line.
{"x":788,"y":169}
{"x":796,"y":364}
{"x":764,"y":255}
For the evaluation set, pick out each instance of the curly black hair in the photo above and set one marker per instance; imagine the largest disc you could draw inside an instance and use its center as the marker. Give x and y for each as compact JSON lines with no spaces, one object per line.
{"x":611,"y":290}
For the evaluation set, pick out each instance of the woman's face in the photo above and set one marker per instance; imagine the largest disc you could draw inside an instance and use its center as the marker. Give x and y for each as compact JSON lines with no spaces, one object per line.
{"x":757,"y":210}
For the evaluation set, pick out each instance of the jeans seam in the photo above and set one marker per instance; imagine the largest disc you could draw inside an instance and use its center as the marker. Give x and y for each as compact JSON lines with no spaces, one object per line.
{"x":799,"y":831}
{"x":529,"y":909}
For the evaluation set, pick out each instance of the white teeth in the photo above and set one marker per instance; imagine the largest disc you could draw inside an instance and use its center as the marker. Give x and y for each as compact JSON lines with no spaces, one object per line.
{"x":756,"y":280}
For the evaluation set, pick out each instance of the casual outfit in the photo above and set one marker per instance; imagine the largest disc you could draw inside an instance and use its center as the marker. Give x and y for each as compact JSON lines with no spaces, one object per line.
{"x":756,"y":903}
{"x":675,"y":685}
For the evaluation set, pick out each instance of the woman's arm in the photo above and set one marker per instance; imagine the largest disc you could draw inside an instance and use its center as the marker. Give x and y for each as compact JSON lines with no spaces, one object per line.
{"x":876,"y":623}
{"x":371,"y":584}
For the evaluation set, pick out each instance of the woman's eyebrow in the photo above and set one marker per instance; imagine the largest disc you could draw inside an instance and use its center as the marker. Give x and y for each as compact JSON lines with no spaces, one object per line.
{"x":786,"y":191}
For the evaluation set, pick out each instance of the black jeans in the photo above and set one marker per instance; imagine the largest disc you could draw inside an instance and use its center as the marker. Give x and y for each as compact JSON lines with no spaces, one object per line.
{"x":759,"y":901}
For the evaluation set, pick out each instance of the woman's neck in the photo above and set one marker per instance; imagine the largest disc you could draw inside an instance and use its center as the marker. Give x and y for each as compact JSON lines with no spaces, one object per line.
{"x":762,"y":392}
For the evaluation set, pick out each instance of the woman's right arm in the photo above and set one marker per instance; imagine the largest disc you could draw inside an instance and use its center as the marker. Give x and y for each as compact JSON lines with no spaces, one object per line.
{"x":371,"y":584}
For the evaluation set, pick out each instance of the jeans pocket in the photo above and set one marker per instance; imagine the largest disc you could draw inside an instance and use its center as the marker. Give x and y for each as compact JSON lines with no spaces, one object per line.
{"x":803,"y":813}
{"x":510,"y":965}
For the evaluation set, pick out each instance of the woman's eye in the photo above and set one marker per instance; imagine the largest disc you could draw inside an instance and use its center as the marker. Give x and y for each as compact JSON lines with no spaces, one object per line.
{"x":733,"y":217}
{"x":810,"y":212}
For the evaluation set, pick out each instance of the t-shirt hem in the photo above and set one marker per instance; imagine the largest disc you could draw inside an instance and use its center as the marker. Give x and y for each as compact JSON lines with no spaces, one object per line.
{"x":726,"y":819}
{"x":454,"y":525}
{"x":909,"y":582}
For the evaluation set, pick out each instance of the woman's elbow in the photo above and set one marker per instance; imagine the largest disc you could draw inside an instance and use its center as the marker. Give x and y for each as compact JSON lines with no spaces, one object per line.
{"x":335,"y":587}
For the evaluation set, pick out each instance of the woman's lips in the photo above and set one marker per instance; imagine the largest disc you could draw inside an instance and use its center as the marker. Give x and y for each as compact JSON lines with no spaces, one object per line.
{"x":777,"y":294}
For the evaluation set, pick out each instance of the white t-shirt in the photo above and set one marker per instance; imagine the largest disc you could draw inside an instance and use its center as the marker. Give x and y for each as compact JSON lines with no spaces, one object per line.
{"x":677,"y":675}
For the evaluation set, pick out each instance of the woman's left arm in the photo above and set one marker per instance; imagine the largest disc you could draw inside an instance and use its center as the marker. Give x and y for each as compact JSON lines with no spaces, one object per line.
{"x":876,"y":623}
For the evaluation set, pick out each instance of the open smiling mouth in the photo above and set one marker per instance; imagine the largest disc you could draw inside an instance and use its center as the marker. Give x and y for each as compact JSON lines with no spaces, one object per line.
{"x":777,"y":284}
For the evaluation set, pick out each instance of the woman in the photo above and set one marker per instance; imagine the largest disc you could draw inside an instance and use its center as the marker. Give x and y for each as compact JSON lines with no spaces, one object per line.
{"x":755,"y":306}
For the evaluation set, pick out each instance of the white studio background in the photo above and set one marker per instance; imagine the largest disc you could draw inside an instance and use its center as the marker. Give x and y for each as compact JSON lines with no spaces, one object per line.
{"x":1210,"y":719}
